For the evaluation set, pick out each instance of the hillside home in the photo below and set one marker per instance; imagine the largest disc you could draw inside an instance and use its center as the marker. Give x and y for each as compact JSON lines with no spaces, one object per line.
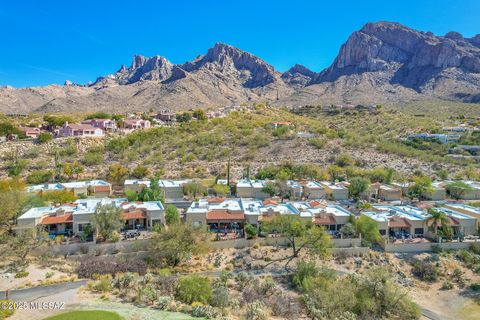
{"x":80,"y":130}
{"x":30,"y":132}
{"x":104,"y":124}
{"x":389,"y":193}
{"x":281,"y":124}
{"x":465,"y":209}
{"x":336,"y":191}
{"x":171,"y":189}
{"x":72,"y":219}
{"x":247,"y":188}
{"x":399,"y":222}
{"x":460,"y":223}
{"x":473,"y":194}
{"x":438,"y":192}
{"x":95,"y":188}
{"x":295,"y":189}
{"x":440,"y":137}
{"x":313,"y":190}
{"x":134,"y":124}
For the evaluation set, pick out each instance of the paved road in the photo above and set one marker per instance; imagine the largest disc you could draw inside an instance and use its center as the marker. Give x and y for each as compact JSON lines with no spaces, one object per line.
{"x":34,"y":293}
{"x":431,"y":315}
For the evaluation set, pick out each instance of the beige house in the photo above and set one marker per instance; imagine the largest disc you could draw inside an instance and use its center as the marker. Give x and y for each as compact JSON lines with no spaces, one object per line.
{"x":465,"y":209}
{"x":247,"y":188}
{"x":438,"y":192}
{"x":336,"y":191}
{"x":313,"y":190}
{"x":389,"y":193}
{"x":171,"y":189}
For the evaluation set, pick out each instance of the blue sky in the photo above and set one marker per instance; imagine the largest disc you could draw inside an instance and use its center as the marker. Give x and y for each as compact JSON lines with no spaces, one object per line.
{"x":47,"y":42}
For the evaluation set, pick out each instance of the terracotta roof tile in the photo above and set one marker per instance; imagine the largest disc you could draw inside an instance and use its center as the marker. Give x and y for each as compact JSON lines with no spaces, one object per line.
{"x":216,"y":215}
{"x":134,"y":214}
{"x":324,"y":220}
{"x":66,"y":218}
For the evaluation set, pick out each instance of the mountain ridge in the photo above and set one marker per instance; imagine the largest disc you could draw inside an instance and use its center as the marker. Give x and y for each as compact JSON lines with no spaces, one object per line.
{"x":383,"y":62}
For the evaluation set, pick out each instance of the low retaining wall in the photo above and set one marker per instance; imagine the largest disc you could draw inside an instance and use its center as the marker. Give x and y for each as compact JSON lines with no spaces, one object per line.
{"x":134,"y":246}
{"x":425,"y":247}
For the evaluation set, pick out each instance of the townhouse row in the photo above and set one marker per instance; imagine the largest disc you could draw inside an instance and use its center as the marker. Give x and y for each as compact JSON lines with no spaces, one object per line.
{"x":72,"y":219}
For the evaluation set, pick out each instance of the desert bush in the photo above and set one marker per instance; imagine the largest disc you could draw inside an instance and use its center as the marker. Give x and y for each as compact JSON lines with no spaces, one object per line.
{"x":475,"y":247}
{"x":147,"y":295}
{"x":285,"y":306}
{"x":165,"y":302}
{"x":220,"y":297}
{"x":103,"y":284}
{"x":21,"y":274}
{"x":39,"y":176}
{"x":194,"y":289}
{"x":316,"y":142}
{"x":89,"y":267}
{"x":447,"y":285}
{"x":206,"y":312}
{"x":424,"y":270}
{"x":256,"y":311}
{"x":44,"y":137}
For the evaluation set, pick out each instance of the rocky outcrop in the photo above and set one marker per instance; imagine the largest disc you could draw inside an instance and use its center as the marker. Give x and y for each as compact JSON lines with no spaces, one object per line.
{"x":156,"y":68}
{"x":413,"y":58}
{"x":298,"y":76}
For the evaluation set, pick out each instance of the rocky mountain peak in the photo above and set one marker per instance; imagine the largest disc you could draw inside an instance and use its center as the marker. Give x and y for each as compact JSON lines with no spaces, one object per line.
{"x":409,"y":57}
{"x":298,"y":76}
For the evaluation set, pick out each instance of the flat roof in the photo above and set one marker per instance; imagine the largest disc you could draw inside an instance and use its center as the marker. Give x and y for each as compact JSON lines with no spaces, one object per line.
{"x":384,"y":213}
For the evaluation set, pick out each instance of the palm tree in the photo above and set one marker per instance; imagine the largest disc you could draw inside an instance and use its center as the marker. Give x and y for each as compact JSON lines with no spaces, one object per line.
{"x":438,"y":219}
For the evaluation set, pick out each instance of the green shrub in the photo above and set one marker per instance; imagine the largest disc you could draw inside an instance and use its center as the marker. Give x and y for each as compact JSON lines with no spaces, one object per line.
{"x":92,"y":158}
{"x":39,"y":176}
{"x":316,"y":142}
{"x":21,"y":274}
{"x":425,"y":270}
{"x":44,"y":137}
{"x":447,"y":285}
{"x":194,"y":289}
{"x":250,"y":230}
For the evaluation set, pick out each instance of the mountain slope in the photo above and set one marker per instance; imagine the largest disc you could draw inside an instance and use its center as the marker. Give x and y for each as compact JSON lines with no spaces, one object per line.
{"x":383,"y":62}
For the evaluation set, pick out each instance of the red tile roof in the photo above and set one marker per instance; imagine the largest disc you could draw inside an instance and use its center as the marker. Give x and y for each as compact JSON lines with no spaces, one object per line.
{"x":323,"y":220}
{"x":101,"y":188}
{"x":396,"y":222}
{"x":134,"y":214}
{"x":315,"y":203}
{"x":216,"y":215}
{"x":66,"y":218}
{"x":215,"y":200}
{"x":269,"y":202}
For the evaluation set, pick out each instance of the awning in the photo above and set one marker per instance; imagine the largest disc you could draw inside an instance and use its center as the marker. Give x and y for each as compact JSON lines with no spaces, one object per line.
{"x":324,"y":220}
{"x":66,"y":218}
{"x":398,"y":223}
{"x":134,"y":214}
{"x":224,"y":215}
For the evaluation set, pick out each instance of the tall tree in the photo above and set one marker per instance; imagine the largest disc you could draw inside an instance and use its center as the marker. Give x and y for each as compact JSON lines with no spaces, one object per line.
{"x":458,"y":189}
{"x":107,"y":220}
{"x":437,"y":220}
{"x":171,"y":215}
{"x":357,"y":186}
{"x":301,"y":235}
{"x":178,"y":242}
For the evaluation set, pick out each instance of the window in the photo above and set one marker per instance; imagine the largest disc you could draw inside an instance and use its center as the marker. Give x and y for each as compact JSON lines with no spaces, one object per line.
{"x":383,"y":232}
{"x":419,"y":230}
{"x":81,"y":226}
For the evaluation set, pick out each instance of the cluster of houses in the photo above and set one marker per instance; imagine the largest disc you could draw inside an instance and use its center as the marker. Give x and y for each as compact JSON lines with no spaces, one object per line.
{"x":73,"y":218}
{"x":317,"y":202}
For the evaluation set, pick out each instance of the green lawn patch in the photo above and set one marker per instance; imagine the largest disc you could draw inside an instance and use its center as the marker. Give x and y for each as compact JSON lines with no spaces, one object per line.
{"x":87,"y":315}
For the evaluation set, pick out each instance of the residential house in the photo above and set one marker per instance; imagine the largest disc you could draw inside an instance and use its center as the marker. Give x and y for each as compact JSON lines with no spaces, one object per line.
{"x":313,"y":190}
{"x":336,"y":191}
{"x":72,"y":219}
{"x":166,"y":116}
{"x":96,"y":188}
{"x":247,"y":188}
{"x":389,"y":193}
{"x":107,"y":125}
{"x":171,"y":189}
{"x":281,"y":124}
{"x":30,"y":132}
{"x":438,"y":191}
{"x":399,"y":221}
{"x":134,"y":124}
{"x":465,"y":209}
{"x":440,"y":137}
{"x":80,"y":130}
{"x":295,"y":189}
{"x":462,"y":224}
